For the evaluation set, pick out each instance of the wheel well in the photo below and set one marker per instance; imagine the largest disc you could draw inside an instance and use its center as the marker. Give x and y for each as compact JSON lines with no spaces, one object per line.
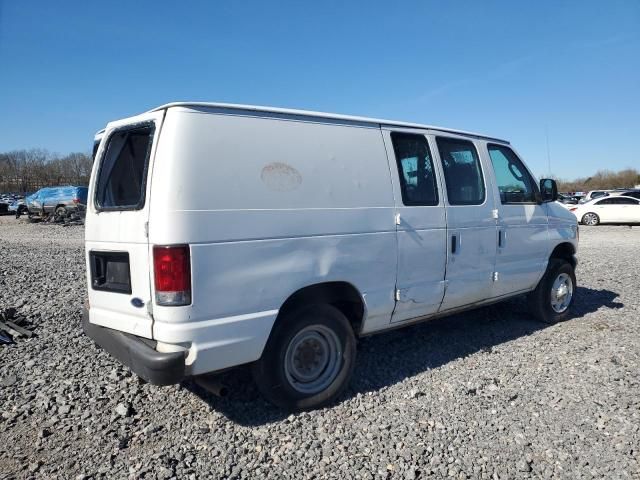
{"x":342,"y":295}
{"x":565,"y":251}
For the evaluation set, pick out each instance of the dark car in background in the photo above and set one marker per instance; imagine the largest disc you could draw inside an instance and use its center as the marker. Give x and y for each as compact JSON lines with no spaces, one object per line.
{"x":567,"y":199}
{"x":57,"y":201}
{"x":6,"y":200}
{"x":635,"y":193}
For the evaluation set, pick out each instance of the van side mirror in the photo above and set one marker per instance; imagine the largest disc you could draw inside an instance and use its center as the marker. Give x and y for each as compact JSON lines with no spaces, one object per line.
{"x":548,"y":190}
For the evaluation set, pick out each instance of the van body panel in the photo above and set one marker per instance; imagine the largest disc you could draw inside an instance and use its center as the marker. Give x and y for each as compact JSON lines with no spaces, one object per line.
{"x":563,"y":227}
{"x":243,"y":284}
{"x":221,"y":342}
{"x":310,"y":203}
{"x":122,"y":231}
{"x":523,"y":256}
{"x":221,"y":162}
{"x":220,"y":226}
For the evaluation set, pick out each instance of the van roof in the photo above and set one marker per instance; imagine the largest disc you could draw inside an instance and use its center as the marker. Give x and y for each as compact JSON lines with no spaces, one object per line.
{"x":222,"y":107}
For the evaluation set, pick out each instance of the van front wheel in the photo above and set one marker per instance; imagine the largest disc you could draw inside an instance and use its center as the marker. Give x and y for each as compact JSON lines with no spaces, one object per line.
{"x":551,"y":300}
{"x":308,"y":359}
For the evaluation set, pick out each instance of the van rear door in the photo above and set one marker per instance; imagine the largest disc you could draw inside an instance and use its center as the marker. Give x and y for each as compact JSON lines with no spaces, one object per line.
{"x":116,"y":230}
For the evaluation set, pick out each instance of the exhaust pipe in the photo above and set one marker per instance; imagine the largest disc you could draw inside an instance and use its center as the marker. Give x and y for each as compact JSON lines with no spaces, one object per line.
{"x":213,"y":385}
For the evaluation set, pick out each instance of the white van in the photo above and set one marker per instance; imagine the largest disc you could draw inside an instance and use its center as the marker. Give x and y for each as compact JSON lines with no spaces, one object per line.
{"x":219,"y":235}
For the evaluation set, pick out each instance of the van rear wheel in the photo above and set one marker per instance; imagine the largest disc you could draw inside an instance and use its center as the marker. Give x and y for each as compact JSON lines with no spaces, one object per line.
{"x":308,"y":359}
{"x":552,"y":299}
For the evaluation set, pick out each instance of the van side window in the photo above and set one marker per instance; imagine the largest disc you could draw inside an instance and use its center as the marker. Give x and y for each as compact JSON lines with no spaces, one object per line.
{"x":417,"y":177}
{"x":514,"y":182}
{"x":462,"y":171}
{"x":122,"y":176}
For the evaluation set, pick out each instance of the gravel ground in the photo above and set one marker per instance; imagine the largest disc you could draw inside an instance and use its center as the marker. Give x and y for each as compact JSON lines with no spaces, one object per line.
{"x":487,"y":394}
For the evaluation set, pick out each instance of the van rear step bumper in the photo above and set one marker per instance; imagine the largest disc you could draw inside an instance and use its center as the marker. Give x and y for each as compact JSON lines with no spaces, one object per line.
{"x":155,"y":367}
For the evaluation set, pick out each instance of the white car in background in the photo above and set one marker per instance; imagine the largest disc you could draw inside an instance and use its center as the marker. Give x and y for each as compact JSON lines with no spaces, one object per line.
{"x":593,"y":194}
{"x":612,"y":209}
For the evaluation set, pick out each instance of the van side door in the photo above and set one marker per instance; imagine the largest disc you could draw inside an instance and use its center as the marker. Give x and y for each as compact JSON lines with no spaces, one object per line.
{"x":471,"y":226}
{"x":523,"y":226}
{"x":420,"y":225}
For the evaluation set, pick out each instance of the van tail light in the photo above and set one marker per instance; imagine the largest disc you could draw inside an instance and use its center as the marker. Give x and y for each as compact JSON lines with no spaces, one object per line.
{"x":573,"y":209}
{"x":172,"y":275}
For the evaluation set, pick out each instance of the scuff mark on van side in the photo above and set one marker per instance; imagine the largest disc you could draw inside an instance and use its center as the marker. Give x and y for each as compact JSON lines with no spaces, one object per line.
{"x":281,"y":177}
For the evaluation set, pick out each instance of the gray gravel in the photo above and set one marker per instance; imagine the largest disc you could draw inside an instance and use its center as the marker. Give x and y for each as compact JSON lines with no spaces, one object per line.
{"x":487,"y":394}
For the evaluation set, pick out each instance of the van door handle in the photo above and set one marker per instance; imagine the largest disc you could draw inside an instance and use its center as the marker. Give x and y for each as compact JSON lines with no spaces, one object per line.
{"x":502,"y":237}
{"x":454,"y":243}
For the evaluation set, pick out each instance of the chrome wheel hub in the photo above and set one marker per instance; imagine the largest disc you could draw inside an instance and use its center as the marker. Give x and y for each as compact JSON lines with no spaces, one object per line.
{"x":561,"y":293}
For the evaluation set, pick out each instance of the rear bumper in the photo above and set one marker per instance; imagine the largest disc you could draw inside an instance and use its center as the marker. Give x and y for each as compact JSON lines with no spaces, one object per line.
{"x":137,"y":354}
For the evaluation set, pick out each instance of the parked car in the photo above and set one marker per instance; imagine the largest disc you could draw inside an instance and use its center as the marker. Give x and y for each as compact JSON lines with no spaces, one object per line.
{"x":59,"y":201}
{"x":629,"y":193}
{"x":594,"y":194}
{"x":613,"y":209}
{"x":18,"y":207}
{"x":220,"y":235}
{"x":567,"y":199}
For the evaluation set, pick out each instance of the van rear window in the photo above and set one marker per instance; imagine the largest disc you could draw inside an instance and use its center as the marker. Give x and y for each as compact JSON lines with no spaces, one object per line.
{"x":122,"y":175}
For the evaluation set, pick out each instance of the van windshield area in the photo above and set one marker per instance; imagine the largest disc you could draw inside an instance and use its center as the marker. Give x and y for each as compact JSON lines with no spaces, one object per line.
{"x":122,"y":176}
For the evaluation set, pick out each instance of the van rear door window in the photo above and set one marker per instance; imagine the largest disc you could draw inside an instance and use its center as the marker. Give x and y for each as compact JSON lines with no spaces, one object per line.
{"x":122,"y":175}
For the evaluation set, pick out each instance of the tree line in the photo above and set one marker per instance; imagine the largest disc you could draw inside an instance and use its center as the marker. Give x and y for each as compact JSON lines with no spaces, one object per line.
{"x":23,"y":171}
{"x":602,"y":180}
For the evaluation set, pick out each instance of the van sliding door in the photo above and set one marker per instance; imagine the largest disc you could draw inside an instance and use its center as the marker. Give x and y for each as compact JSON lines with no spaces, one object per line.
{"x":420,"y":225}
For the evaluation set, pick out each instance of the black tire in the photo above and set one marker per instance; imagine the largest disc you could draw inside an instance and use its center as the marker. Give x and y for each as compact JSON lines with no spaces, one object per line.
{"x":540,"y":300}
{"x":590,"y":219}
{"x":60,"y":212}
{"x":270,"y":373}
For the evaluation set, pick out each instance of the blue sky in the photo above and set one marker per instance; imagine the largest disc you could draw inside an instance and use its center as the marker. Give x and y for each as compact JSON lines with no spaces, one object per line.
{"x":509,"y":69}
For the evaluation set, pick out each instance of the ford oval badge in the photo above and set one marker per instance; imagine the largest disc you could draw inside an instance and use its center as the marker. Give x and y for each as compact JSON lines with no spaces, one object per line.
{"x":136,"y":302}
